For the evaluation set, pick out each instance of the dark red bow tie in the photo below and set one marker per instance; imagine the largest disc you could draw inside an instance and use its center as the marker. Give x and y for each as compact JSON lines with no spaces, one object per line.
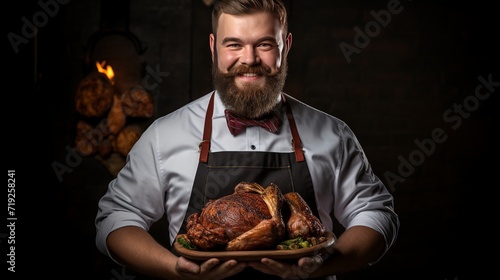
{"x":237,"y":124}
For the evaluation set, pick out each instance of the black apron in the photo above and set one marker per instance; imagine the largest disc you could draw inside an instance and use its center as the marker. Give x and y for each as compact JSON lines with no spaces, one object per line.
{"x":218,"y":173}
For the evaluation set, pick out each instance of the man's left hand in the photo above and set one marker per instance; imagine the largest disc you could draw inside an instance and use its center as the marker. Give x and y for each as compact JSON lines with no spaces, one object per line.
{"x":303,"y":269}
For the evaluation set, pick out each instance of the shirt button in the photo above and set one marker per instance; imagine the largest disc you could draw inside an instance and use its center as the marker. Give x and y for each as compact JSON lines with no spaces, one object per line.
{"x":252,"y":147}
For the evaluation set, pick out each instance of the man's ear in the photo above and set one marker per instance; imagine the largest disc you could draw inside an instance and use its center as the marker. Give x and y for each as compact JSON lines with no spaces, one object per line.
{"x":212,"y":46}
{"x":288,"y":42}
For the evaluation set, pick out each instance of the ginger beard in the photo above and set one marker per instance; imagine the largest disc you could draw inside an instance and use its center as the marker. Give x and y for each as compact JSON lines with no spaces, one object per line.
{"x":251,"y":101}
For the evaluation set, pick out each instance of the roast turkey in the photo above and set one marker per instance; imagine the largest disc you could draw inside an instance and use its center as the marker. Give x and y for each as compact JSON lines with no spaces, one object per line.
{"x":250,"y":219}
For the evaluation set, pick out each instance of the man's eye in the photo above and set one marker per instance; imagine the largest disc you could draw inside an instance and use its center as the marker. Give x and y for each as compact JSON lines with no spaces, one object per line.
{"x":266,"y":46}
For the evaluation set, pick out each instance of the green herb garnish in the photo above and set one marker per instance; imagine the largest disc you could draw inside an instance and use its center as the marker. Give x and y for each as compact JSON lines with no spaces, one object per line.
{"x":186,"y":244}
{"x":294,"y":243}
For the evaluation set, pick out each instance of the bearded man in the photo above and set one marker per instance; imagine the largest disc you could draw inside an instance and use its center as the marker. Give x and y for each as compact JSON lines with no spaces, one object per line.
{"x":247,"y":129}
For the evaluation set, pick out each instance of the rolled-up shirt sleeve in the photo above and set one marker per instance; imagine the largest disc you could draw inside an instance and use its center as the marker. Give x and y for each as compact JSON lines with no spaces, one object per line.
{"x":361,"y":198}
{"x":346,"y":187}
{"x":137,"y":184}
{"x":157,"y":178}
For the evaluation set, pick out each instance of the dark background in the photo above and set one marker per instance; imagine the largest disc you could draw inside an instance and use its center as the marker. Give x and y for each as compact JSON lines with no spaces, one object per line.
{"x":394,"y":93}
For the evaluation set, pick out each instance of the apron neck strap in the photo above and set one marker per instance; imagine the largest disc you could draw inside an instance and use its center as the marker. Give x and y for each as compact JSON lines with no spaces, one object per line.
{"x":297,"y":145}
{"x":207,"y":132}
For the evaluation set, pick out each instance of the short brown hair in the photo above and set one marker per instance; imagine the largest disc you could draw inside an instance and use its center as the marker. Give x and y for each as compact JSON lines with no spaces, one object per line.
{"x":242,"y":7}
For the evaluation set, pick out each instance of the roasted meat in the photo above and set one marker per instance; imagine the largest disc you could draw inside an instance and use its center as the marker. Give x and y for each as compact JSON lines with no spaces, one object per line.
{"x":302,"y":222}
{"x":248,"y":219}
{"x":251,"y":218}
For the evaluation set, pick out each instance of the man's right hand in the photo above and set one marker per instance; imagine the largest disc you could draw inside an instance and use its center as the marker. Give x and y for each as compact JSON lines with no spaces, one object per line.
{"x":210,"y":269}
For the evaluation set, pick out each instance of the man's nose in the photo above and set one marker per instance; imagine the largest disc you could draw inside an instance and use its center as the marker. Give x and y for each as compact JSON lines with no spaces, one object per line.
{"x":249,"y":56}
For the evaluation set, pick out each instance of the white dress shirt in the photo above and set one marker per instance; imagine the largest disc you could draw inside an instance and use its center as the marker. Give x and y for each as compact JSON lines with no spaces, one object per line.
{"x":160,"y":169}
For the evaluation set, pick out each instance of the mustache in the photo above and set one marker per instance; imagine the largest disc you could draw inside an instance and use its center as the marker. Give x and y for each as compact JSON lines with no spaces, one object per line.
{"x":245,"y":69}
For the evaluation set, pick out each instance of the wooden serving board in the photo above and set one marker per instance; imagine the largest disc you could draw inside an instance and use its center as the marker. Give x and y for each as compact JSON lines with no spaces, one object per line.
{"x":254,"y":255}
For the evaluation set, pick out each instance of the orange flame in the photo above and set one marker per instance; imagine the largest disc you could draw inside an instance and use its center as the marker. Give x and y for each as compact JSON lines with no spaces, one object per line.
{"x":108,"y":71}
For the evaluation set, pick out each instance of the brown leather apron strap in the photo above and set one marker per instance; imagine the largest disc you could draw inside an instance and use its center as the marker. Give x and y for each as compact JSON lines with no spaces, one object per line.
{"x":297,"y":145}
{"x":207,"y":131}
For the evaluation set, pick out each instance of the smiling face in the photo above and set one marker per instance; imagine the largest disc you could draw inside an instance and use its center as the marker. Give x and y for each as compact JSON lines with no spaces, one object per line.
{"x":249,"y":62}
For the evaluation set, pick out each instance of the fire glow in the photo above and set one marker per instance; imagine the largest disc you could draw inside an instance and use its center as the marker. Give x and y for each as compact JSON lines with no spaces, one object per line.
{"x":106,"y":69}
